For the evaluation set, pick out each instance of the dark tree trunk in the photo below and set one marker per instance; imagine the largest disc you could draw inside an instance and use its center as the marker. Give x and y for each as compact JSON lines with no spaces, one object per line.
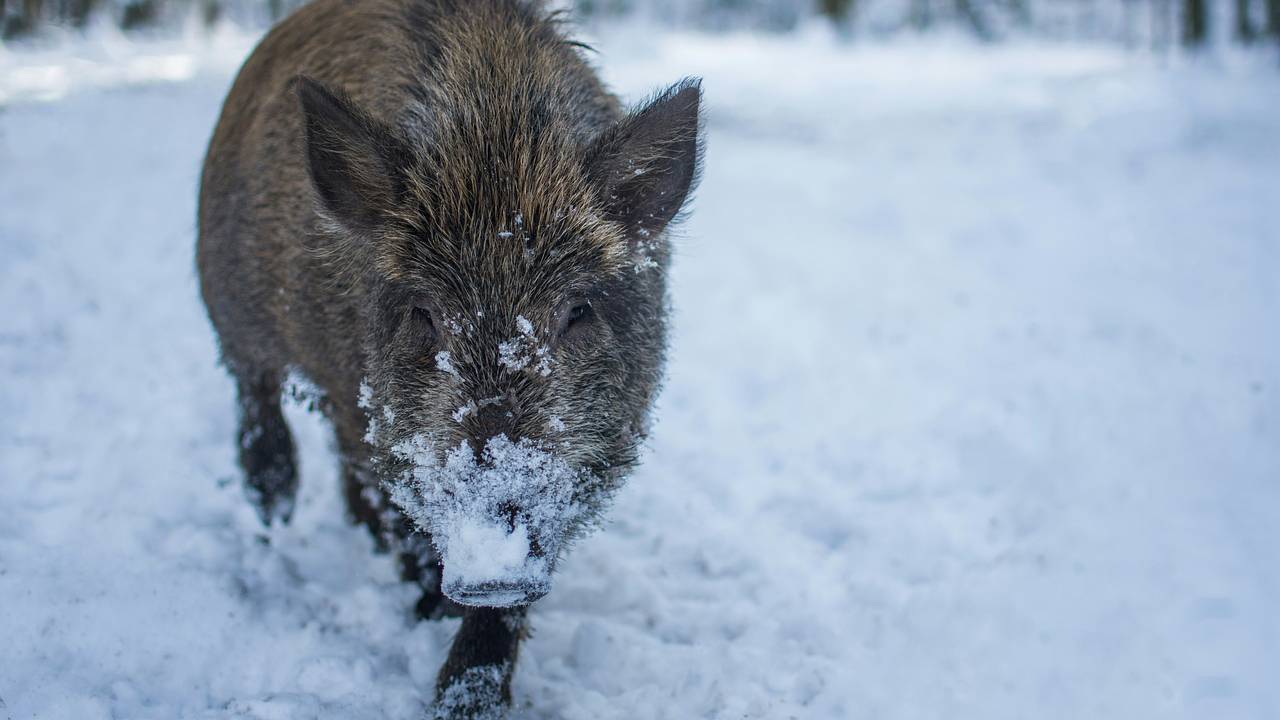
{"x":1273,"y":18}
{"x":969,"y":11}
{"x":1195,"y":23}
{"x":837,"y":10}
{"x":1129,"y":32}
{"x":1020,"y":10}
{"x":140,"y":14}
{"x":920,"y":16}
{"x":1245,"y":33}
{"x":78,"y":12}
{"x":1161,"y":24}
{"x":31,"y":12}
{"x":22,"y":19}
{"x":212,"y":12}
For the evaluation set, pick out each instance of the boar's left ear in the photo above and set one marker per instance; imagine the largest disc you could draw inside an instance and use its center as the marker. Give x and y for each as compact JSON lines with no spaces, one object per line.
{"x":356,"y":163}
{"x":647,"y":164}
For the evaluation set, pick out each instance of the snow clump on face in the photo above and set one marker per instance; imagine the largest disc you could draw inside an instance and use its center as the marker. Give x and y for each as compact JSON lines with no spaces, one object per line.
{"x":518,"y":352}
{"x":444,"y":362}
{"x":365,"y":402}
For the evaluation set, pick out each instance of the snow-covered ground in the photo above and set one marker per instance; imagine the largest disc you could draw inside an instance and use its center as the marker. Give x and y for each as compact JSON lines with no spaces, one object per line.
{"x":973,"y":412}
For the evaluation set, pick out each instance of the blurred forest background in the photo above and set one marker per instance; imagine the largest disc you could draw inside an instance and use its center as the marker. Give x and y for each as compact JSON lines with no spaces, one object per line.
{"x":1155,"y":24}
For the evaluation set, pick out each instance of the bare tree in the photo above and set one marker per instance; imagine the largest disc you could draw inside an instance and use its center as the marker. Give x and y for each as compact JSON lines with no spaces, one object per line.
{"x":1195,"y":23}
{"x":1129,"y":31}
{"x":1161,"y":24}
{"x":920,"y":14}
{"x":838,"y":10}
{"x":1244,"y":24}
{"x":28,"y":18}
{"x":968,"y":10}
{"x":1020,"y":10}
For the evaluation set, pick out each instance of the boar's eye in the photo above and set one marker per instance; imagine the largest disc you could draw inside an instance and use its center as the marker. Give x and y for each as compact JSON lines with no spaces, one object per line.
{"x":578,"y":315}
{"x":424,"y":326}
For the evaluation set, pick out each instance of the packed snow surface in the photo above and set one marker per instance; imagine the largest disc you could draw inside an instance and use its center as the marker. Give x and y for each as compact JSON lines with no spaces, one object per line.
{"x":973,"y":410}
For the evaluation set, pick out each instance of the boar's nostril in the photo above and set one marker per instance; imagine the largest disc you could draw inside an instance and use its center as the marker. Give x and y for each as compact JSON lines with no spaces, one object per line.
{"x":494,"y":416}
{"x":510,"y":513}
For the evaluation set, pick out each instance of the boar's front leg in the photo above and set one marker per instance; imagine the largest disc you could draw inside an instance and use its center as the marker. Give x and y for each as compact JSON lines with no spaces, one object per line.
{"x":266,"y":448}
{"x":475,"y":682}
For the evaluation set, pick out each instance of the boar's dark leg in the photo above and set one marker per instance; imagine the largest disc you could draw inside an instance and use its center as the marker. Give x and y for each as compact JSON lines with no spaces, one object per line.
{"x":475,"y":681}
{"x":419,"y":563}
{"x":266,"y":448}
{"x":368,"y":505}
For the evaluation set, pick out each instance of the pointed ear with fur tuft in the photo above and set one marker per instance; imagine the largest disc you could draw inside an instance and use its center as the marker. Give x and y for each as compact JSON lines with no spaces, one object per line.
{"x":357,"y":164}
{"x":649,"y":162}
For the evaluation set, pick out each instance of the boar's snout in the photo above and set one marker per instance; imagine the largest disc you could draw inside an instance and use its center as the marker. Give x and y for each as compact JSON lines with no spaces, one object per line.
{"x":490,"y":564}
{"x":499,"y":518}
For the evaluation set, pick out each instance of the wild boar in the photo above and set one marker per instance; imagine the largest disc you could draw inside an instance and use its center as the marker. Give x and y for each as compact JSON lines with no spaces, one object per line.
{"x":435,"y":212}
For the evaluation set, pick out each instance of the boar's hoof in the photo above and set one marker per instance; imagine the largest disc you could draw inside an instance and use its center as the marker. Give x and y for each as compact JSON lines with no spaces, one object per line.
{"x":271,"y":506}
{"x":271,"y":485}
{"x":271,"y":475}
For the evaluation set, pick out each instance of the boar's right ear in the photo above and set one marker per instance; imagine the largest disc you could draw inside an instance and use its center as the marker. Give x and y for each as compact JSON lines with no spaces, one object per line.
{"x":357,"y":164}
{"x":648,"y":163}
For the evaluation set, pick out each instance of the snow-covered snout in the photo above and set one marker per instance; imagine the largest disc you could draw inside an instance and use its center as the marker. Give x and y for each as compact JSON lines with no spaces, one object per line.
{"x":498,"y":518}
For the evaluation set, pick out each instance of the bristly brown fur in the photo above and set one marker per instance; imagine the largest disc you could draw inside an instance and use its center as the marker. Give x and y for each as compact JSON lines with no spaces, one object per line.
{"x":396,"y":181}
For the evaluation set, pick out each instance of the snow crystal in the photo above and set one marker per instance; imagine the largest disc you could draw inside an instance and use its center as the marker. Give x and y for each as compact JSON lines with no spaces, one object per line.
{"x":519,"y":352}
{"x":462,"y":412}
{"x":511,"y":354}
{"x":543,"y":355}
{"x":444,"y":361}
{"x":365,"y":401}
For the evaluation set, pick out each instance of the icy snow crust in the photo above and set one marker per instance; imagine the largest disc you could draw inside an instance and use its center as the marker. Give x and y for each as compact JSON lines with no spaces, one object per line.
{"x":973,"y":413}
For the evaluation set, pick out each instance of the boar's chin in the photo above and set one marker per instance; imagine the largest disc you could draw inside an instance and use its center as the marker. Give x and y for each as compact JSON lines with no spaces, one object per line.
{"x":492,"y":565}
{"x":498,"y":521}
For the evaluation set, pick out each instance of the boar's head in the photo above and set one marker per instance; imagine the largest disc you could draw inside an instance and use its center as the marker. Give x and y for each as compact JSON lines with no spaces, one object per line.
{"x":511,"y":267}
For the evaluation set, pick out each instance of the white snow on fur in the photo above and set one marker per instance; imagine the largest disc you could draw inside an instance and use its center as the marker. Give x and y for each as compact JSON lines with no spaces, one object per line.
{"x":519,"y":351}
{"x":466,"y":505}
